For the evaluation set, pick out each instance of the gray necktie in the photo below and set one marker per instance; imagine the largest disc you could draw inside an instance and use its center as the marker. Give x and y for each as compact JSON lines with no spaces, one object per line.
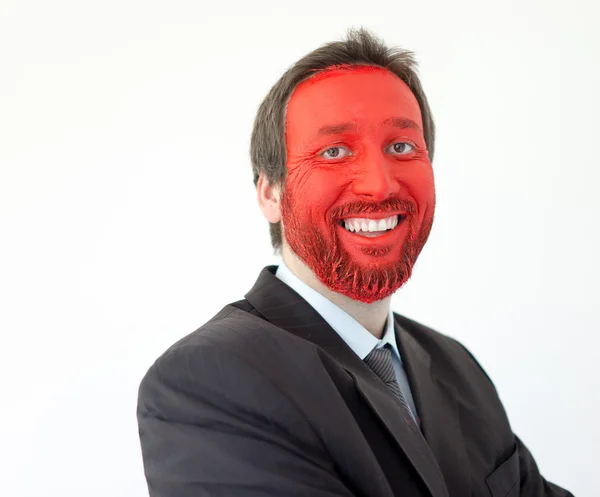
{"x":380,"y":361}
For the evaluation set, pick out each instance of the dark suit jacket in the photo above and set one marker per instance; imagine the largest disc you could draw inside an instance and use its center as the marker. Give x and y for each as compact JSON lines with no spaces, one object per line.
{"x":267,"y":400}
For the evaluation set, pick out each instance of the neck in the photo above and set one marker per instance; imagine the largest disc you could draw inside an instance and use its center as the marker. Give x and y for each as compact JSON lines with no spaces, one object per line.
{"x":371,"y":316}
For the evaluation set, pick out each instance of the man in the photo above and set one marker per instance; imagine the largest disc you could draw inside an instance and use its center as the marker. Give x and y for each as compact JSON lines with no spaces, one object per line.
{"x":311,"y":385}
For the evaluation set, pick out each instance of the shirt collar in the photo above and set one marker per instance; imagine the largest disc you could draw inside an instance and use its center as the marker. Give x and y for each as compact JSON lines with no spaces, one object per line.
{"x":356,"y":336}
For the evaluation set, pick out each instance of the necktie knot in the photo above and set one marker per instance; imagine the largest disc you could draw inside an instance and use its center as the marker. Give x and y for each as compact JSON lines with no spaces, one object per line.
{"x":381,"y":362}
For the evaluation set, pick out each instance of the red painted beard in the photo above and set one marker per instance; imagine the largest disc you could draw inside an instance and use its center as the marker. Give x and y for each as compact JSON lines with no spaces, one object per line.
{"x":324,"y":253}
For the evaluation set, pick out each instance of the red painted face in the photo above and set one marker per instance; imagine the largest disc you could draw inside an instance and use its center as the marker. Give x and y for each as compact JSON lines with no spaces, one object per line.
{"x":358,"y":202}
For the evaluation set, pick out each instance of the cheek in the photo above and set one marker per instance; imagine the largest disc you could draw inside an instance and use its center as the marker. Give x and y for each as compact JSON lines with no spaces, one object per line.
{"x":425,"y":185}
{"x":314,"y":191}
{"x":421,"y":185}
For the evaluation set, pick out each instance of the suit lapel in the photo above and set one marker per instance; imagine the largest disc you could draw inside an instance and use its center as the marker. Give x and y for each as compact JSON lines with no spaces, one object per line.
{"x":437,"y":405}
{"x":283,"y":307}
{"x":403,"y":430}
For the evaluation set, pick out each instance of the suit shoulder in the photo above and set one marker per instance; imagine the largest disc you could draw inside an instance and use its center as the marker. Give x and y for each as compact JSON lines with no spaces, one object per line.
{"x":210,"y":336}
{"x":222,"y":348}
{"x":232,"y":361}
{"x":225,"y":330}
{"x":235,"y":336}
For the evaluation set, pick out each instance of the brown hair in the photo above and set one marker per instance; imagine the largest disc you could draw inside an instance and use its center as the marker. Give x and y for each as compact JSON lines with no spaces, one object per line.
{"x":267,"y":145}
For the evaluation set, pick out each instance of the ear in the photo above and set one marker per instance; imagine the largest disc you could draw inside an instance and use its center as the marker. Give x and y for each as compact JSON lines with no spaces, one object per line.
{"x":268,"y":199}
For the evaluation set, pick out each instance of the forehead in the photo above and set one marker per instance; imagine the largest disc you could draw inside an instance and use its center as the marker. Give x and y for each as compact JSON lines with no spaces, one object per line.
{"x":364,"y":95}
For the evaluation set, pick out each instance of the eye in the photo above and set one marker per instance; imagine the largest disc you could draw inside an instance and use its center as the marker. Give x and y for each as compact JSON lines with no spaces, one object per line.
{"x":335,"y":152}
{"x":401,"y":148}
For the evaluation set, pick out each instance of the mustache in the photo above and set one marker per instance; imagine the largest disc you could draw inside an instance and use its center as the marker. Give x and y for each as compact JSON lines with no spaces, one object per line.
{"x":361,"y":206}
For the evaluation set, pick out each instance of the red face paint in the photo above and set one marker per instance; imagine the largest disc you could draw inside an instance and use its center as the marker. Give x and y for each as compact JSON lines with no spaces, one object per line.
{"x":355,"y":149}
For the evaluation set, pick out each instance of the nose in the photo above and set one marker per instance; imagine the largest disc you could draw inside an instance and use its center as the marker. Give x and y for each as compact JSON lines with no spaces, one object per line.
{"x":374,"y":180}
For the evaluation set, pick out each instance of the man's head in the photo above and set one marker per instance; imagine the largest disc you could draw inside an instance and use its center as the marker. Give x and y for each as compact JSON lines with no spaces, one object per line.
{"x":341,"y":154}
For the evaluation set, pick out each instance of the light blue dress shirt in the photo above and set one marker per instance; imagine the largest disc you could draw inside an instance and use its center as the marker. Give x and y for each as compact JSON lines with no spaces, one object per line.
{"x":356,"y":336}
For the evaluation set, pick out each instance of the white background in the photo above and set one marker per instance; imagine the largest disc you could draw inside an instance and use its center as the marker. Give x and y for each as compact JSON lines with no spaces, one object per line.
{"x":128,"y":215}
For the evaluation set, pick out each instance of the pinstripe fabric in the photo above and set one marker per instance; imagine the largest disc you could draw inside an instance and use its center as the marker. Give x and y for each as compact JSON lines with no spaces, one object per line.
{"x":380,"y":361}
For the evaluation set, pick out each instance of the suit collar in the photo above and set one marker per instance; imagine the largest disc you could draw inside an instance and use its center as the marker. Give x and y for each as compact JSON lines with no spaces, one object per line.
{"x":282,"y":306}
{"x":285,"y":308}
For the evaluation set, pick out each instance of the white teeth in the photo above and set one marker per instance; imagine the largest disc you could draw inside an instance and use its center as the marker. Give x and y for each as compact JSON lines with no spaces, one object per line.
{"x":370,"y":225}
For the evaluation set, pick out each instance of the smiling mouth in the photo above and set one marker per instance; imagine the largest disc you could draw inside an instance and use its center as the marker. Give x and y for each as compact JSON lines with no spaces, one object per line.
{"x":371,"y":227}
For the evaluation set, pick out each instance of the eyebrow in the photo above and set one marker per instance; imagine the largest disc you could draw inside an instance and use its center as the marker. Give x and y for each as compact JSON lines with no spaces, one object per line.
{"x":396,"y":122}
{"x":402,"y":122}
{"x":334,"y":129}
